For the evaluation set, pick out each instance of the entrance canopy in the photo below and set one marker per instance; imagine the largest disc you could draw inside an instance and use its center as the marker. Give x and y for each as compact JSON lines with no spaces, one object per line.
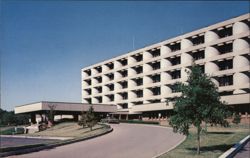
{"x":64,"y":107}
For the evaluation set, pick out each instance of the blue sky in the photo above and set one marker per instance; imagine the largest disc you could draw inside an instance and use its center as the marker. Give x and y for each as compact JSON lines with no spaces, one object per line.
{"x":45,"y":44}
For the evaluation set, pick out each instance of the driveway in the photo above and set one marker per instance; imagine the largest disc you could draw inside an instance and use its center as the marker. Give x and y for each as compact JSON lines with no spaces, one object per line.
{"x":126,"y":141}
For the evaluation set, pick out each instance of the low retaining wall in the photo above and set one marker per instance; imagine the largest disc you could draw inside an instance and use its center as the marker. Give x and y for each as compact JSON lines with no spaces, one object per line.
{"x":233,"y":151}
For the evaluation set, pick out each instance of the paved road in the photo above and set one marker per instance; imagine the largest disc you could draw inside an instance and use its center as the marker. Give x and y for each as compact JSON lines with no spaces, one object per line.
{"x":245,"y":152}
{"x":126,"y":141}
{"x":11,"y":142}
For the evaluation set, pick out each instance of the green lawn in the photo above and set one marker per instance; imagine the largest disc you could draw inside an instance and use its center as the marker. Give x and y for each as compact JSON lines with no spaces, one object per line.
{"x":213,"y":143}
{"x":68,"y":129}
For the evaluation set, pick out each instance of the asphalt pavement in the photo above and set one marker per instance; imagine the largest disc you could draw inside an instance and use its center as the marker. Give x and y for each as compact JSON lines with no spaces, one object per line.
{"x":126,"y":141}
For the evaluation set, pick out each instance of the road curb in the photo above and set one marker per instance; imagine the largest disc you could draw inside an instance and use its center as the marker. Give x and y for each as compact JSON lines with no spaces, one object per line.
{"x":37,"y":137}
{"x":232,"y":151}
{"x":50,"y":146}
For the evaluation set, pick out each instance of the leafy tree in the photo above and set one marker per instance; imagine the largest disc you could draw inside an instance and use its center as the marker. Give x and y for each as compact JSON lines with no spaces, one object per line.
{"x":199,"y":102}
{"x":88,"y":119}
{"x":51,"y":114}
{"x":10,"y":118}
{"x":82,"y":121}
{"x":236,"y":118}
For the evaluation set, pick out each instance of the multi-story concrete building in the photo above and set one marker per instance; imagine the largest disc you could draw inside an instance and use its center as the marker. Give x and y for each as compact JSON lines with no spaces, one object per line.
{"x":141,"y":81}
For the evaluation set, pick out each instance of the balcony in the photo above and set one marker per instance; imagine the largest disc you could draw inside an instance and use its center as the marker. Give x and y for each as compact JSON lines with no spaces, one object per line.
{"x":223,"y":32}
{"x":124,"y":73}
{"x":138,"y":57}
{"x":110,"y":76}
{"x":87,"y":73}
{"x":138,"y":81}
{"x":197,"y":40}
{"x":110,"y":66}
{"x":224,"y":48}
{"x":124,"y":95}
{"x":175,"y":60}
{"x":88,"y":82}
{"x":138,"y":69}
{"x":138,"y":103}
{"x":123,"y":61}
{"x":174,"y":46}
{"x":156,"y":91}
{"x":123,"y":105}
{"x":198,"y":54}
{"x":124,"y":84}
{"x":155,"y":52}
{"x":156,"y":78}
{"x":98,"y":69}
{"x":99,"y":99}
{"x":139,"y":93}
{"x":176,"y":74}
{"x":225,"y":65}
{"x":111,"y":97}
{"x":155,"y":65}
{"x":111,"y":87}
{"x":225,"y":81}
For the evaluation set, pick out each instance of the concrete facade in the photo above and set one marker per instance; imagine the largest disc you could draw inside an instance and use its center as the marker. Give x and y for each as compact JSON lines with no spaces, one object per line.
{"x":141,"y":81}
{"x":39,"y":110}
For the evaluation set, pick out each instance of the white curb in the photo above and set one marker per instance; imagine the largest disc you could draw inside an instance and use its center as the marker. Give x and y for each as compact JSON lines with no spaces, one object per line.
{"x":232,"y":151}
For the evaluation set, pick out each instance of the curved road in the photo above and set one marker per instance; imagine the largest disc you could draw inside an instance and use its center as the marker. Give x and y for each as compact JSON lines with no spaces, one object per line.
{"x":127,"y":140}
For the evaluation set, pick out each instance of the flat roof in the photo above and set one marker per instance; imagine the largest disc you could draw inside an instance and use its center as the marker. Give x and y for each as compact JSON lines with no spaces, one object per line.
{"x":64,"y":107}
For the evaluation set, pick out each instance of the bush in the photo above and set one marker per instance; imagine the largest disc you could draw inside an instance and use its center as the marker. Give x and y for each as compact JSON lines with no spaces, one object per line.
{"x":140,"y":122}
{"x":10,"y":131}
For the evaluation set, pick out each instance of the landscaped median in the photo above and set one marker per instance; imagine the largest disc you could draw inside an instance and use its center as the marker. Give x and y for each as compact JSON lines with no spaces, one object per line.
{"x":61,"y":130}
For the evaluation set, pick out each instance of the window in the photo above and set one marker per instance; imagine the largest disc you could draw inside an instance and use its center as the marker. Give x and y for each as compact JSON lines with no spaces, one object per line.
{"x":224,"y":32}
{"x":139,"y":93}
{"x":197,"y":40}
{"x":88,"y":72}
{"x":124,"y":62}
{"x":226,"y":64}
{"x":156,"y":78}
{"x":155,"y":52}
{"x":138,"y":81}
{"x":110,"y":76}
{"x":138,"y":103}
{"x":111,"y":87}
{"x":156,"y":91}
{"x":124,"y":84}
{"x":174,"y":46}
{"x":156,"y":65}
{"x":200,"y":54}
{"x":138,"y":69}
{"x":226,"y":81}
{"x":225,"y":48}
{"x":137,"y":57}
{"x":124,"y":105}
{"x":176,"y":74}
{"x":175,"y":61}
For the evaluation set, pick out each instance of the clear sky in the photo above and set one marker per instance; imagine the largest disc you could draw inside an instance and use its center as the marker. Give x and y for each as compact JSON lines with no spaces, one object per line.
{"x":45,"y":44}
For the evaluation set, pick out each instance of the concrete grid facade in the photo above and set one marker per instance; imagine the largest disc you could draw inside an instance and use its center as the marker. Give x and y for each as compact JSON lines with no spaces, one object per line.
{"x":141,"y":81}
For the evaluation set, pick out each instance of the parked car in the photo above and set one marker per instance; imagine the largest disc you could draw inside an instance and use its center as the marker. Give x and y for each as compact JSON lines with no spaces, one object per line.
{"x":110,"y":120}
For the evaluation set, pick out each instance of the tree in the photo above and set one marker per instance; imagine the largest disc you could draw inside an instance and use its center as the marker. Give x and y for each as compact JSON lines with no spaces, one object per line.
{"x":51,"y":114}
{"x":82,"y":121}
{"x":236,"y":118}
{"x":10,"y":118}
{"x":199,"y":102}
{"x":88,"y":119}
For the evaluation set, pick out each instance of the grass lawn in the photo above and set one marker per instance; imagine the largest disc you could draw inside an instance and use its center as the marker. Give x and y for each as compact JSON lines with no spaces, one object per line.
{"x":213,"y":143}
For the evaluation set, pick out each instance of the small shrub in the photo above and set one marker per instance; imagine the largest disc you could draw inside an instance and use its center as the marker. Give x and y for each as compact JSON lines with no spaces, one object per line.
{"x":140,"y":122}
